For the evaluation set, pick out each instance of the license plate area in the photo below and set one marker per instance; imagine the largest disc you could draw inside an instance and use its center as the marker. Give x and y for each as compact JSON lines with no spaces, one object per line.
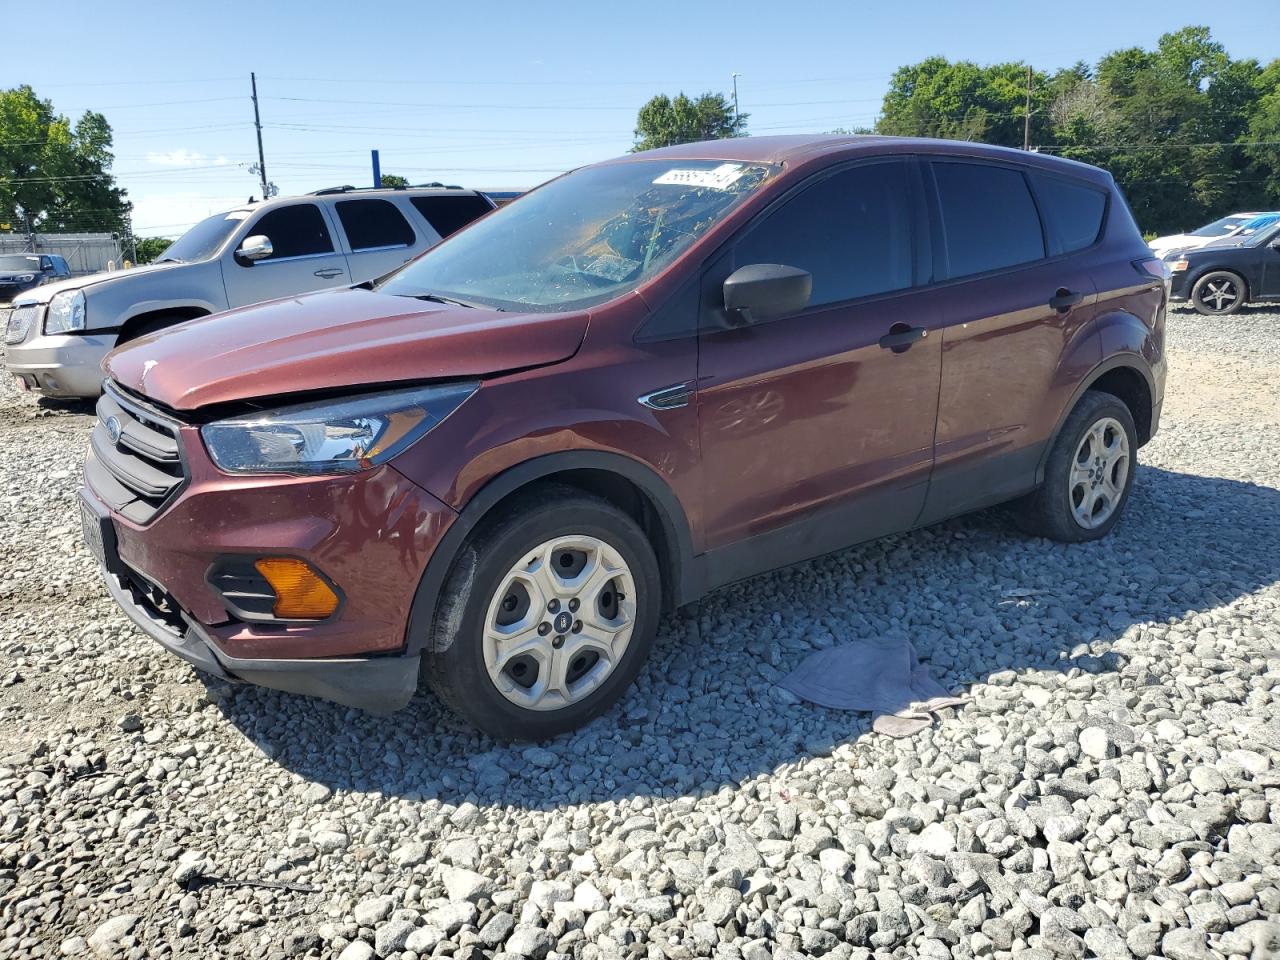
{"x":99,"y":536}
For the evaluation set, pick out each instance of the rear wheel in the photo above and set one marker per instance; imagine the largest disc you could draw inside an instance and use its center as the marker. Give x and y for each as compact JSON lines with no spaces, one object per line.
{"x":547,"y":616}
{"x":1218,"y":293}
{"x":1088,"y":475}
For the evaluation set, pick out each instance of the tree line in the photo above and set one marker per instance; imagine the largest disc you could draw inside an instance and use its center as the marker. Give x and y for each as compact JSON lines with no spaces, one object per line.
{"x":1189,"y":133}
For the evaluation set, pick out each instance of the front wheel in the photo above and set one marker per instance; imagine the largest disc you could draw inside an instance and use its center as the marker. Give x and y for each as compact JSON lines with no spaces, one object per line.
{"x":1218,"y":293}
{"x":1088,"y":475}
{"x":547,"y":616}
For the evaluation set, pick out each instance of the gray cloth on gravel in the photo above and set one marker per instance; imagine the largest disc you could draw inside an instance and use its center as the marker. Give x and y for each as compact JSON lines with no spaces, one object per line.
{"x":882,"y":675}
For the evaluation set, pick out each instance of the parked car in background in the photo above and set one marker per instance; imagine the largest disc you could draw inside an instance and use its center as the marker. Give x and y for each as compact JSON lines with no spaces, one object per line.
{"x":19,"y":272}
{"x":1223,"y":276}
{"x":645,"y":379}
{"x":1221,"y":229}
{"x":59,"y":333}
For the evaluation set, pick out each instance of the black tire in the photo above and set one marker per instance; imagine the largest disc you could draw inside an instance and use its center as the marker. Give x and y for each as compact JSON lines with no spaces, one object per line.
{"x":1218,"y":285}
{"x":1047,"y":511}
{"x":454,"y":666}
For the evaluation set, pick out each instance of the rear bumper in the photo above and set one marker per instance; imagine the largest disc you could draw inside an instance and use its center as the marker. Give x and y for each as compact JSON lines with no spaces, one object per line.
{"x":63,"y":365}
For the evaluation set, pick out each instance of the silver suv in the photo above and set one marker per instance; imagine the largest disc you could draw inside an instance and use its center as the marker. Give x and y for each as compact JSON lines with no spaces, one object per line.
{"x":57,"y":334}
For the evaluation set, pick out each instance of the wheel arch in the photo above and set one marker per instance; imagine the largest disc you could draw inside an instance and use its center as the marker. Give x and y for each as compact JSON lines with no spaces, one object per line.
{"x":180,"y":312}
{"x":1127,"y":377}
{"x":628,"y":484}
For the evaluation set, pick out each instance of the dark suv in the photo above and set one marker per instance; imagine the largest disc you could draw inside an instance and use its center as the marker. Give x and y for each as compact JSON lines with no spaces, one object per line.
{"x":19,"y":272}
{"x":645,"y":379}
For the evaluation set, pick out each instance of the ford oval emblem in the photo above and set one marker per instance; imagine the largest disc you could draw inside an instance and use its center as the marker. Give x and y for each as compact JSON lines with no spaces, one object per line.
{"x":113,"y":430}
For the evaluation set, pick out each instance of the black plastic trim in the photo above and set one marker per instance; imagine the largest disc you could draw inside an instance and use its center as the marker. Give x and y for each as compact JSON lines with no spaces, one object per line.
{"x":670,"y":513}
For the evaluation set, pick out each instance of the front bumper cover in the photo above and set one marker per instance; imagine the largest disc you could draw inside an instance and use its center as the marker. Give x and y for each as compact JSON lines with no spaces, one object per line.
{"x":377,"y":684}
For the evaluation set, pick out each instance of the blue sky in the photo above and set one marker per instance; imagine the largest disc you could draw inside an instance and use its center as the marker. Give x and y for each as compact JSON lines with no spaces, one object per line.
{"x":497,"y":94}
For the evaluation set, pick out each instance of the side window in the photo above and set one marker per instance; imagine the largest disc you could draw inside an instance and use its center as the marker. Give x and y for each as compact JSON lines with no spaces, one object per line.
{"x":851,"y":230}
{"x":988,"y":217}
{"x":374,"y":223}
{"x":450,"y":214}
{"x":46,"y":263}
{"x":297,"y":230}
{"x":1072,"y":212}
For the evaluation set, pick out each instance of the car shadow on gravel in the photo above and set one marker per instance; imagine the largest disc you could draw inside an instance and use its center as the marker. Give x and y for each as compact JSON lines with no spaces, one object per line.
{"x":975,"y":596}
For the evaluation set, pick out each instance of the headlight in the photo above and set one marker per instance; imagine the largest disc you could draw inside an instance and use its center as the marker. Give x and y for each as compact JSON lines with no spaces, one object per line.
{"x":26,"y":278}
{"x":1178,"y":266}
{"x":65,"y":313}
{"x":334,"y":436}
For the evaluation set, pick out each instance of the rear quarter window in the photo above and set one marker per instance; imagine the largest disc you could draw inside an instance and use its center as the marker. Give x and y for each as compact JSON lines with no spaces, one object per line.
{"x":989,"y":220}
{"x":1072,"y":210}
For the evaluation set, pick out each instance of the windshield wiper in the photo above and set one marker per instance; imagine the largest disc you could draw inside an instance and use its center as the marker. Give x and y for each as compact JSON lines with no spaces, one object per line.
{"x":437,"y":298}
{"x":169,"y":260}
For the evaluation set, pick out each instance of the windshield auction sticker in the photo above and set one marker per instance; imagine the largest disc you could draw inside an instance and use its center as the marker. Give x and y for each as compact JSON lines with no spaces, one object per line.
{"x":718,"y":178}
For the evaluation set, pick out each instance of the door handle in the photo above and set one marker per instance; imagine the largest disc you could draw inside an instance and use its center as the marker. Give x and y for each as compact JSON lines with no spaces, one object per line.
{"x":329,"y":273}
{"x":900,"y":337}
{"x":1065,"y":299}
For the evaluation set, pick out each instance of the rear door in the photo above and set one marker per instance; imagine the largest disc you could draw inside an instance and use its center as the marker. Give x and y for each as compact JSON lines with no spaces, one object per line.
{"x":814,"y":434}
{"x":1012,"y":299}
{"x":378,"y":236}
{"x":304,"y":256}
{"x":1269,"y":254}
{"x":448,"y":213}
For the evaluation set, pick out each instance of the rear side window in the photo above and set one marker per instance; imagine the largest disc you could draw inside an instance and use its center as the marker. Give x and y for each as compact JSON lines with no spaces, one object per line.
{"x":989,"y":220}
{"x":374,"y":223}
{"x":852,"y":231}
{"x":1072,"y":212}
{"x":450,"y":214}
{"x":297,"y":230}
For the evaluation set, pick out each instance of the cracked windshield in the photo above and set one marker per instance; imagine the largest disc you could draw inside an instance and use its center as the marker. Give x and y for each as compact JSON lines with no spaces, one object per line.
{"x":582,"y":239}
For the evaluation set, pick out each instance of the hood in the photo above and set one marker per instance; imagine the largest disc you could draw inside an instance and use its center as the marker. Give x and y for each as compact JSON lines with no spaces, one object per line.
{"x":336,"y":339}
{"x":44,"y":292}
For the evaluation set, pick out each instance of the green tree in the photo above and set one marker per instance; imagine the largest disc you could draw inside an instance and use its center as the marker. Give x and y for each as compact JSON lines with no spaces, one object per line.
{"x":148,"y":248}
{"x":1188,"y":133}
{"x":963,"y":101}
{"x":392,"y":180}
{"x":664,"y":121}
{"x":54,"y":174}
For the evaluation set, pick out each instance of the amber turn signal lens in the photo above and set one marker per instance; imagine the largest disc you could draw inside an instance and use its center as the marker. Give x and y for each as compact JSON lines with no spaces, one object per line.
{"x":301,"y":594}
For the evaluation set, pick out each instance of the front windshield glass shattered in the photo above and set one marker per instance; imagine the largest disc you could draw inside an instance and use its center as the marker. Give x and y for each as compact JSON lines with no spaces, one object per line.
{"x":584,"y":238}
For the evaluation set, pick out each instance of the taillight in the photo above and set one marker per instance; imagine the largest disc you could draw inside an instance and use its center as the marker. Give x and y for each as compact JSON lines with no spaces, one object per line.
{"x":1154,"y":267}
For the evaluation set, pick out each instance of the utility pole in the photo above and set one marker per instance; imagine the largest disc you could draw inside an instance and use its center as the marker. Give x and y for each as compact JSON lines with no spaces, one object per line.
{"x":257,"y":122}
{"x":1026,"y":119}
{"x":736,"y":121}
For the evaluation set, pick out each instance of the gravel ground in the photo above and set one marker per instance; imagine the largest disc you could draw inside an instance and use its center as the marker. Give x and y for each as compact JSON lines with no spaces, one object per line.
{"x":1112,"y":788}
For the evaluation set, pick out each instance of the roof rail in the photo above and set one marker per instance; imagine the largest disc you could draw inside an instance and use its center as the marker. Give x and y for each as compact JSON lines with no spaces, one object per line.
{"x":348,"y":188}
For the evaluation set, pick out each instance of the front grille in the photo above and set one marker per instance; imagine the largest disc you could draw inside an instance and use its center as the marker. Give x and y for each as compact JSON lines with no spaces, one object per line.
{"x":19,"y":324}
{"x":135,"y":464}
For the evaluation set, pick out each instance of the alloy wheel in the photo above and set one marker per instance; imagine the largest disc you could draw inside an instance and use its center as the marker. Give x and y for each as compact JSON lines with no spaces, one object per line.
{"x":559,"y":623}
{"x":1099,"y":472}
{"x":1219,"y":294}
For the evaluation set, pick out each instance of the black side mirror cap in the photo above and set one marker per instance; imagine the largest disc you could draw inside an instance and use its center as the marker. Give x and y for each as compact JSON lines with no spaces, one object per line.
{"x":766,"y":291}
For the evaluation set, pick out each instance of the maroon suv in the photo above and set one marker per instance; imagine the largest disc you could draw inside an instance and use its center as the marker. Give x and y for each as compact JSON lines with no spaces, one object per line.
{"x":648,"y":378}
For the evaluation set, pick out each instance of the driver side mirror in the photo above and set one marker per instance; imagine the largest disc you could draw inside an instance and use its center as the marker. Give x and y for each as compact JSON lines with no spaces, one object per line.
{"x":254,"y":248}
{"x":766,"y":291}
{"x":1275,"y":244}
{"x":760,"y":292}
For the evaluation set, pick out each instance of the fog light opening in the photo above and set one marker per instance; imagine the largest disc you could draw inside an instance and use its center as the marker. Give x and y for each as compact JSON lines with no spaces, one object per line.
{"x":301,"y":593}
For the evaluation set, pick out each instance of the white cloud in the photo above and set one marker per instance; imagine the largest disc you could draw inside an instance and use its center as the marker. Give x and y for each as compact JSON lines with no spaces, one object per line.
{"x":181,"y":157}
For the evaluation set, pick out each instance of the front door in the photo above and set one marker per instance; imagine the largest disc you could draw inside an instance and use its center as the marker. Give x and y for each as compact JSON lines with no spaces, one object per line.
{"x":1270,"y":272}
{"x":303,"y":258}
{"x":814,"y":434}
